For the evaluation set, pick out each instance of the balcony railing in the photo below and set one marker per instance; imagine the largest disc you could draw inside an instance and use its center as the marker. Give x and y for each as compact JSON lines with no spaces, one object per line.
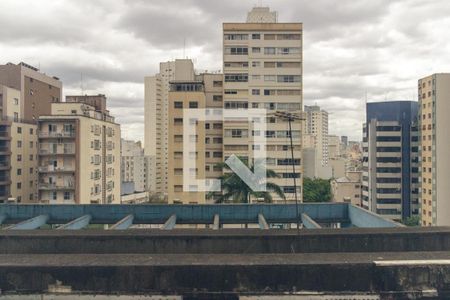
{"x":4,"y":149}
{"x":56,"y":169}
{"x":56,"y":186}
{"x":58,"y":151}
{"x":61,"y":134}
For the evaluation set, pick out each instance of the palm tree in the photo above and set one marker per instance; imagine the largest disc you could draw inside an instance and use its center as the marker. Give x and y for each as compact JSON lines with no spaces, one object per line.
{"x":235,"y":189}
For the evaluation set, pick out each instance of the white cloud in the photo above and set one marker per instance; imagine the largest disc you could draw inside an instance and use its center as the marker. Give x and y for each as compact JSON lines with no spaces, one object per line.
{"x":352,"y":48}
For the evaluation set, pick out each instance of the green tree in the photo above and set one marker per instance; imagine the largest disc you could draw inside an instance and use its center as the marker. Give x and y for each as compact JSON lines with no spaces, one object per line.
{"x":235,"y":190}
{"x":412,"y":221}
{"x":316,"y":190}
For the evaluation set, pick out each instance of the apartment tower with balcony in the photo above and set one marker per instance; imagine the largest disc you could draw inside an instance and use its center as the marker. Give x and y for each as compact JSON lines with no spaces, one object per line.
{"x":262,"y":65}
{"x":434,"y":111}
{"x":79,"y":154}
{"x":390,"y":159}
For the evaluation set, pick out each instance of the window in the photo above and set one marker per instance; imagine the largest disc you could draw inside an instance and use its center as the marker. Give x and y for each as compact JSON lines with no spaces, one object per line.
{"x":288,"y":78}
{"x":217,"y":97}
{"x":236,"y":105}
{"x":19,"y":172}
{"x":16,"y":101}
{"x":19,"y":157}
{"x":31,"y":144}
{"x":269,"y":51}
{"x":270,"y":78}
{"x":231,"y":37}
{"x":287,"y":51}
{"x":217,"y":83}
{"x":288,"y":36}
{"x":207,"y":125}
{"x":178,"y":121}
{"x":19,"y":144}
{"x":236,"y":77}
{"x":236,"y":50}
{"x":31,"y":170}
{"x":16,"y":117}
{"x":269,"y":36}
{"x":178,"y":104}
{"x":256,"y":36}
{"x":19,"y":129}
{"x":193,"y":104}
{"x":31,"y":130}
{"x":256,"y":50}
{"x":19,"y":185}
{"x":256,"y":64}
{"x":255,"y":92}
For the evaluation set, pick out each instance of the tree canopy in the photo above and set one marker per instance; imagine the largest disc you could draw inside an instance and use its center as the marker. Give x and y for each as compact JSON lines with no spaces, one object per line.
{"x":316,"y":190}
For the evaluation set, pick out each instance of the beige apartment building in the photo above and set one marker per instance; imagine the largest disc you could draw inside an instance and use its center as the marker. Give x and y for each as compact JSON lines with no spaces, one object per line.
{"x":205,"y":92}
{"x":434,"y":121}
{"x":262,"y":65}
{"x":25,"y":94}
{"x":156,"y":117}
{"x":79,"y":155}
{"x":347,"y":189}
{"x":18,"y":142}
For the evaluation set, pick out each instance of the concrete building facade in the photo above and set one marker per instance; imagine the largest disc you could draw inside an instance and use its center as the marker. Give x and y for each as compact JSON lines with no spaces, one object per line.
{"x":347,"y":188}
{"x":37,"y":90}
{"x":205,"y":92}
{"x":133,"y":165}
{"x":434,"y":109}
{"x":317,"y":125}
{"x":79,"y":155}
{"x":156,"y":116}
{"x":25,"y":94}
{"x":262,"y":63}
{"x":390,"y":175}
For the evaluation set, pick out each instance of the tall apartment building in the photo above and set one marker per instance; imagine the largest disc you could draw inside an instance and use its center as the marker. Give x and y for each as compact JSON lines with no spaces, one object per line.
{"x":317,"y":125}
{"x":79,"y":155}
{"x":390,"y":156}
{"x":262,"y":63}
{"x":25,"y":94}
{"x":205,"y":92}
{"x":434,"y":111}
{"x":133,"y":166}
{"x":157,"y":116}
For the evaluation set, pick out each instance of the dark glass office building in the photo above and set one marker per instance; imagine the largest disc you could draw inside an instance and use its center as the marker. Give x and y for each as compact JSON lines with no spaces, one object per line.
{"x":390,"y":159}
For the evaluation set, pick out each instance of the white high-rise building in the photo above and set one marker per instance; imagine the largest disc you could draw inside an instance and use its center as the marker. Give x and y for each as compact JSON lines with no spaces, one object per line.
{"x":317,"y":126}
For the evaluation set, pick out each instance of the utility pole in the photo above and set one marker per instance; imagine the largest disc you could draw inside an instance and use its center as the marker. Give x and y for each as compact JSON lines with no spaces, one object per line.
{"x":291,"y":117}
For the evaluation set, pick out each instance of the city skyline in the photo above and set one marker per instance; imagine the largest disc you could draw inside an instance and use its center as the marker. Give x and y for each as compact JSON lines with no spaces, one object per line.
{"x":363,"y":49}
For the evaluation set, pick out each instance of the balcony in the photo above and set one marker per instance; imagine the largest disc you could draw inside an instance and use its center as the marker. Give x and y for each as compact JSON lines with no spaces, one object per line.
{"x":65,"y":151}
{"x":5,"y":150}
{"x":5,"y":165}
{"x":5,"y":180}
{"x":56,"y":186}
{"x":52,"y":169}
{"x":4,"y":135}
{"x":62,"y":134}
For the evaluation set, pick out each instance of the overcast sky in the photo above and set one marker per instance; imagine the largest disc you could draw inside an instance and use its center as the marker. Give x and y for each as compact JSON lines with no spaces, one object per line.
{"x":351,"y":47}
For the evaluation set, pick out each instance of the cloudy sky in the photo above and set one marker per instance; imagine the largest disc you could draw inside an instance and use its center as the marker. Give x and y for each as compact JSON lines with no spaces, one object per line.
{"x":353,"y":48}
